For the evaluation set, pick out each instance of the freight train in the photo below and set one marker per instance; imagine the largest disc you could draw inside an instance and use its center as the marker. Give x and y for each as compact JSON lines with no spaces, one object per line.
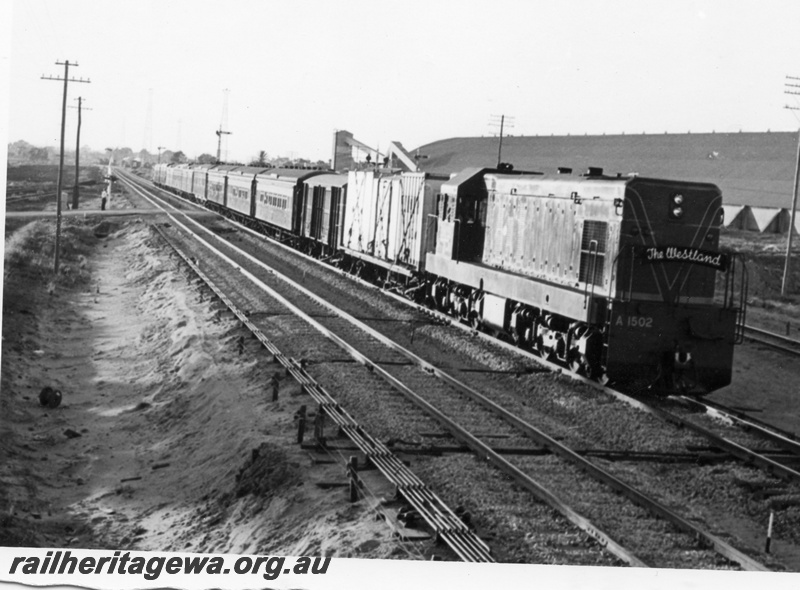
{"x":618,"y":278}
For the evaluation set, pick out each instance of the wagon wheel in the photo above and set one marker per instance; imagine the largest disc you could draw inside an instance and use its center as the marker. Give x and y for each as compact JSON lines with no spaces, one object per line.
{"x":475,"y":322}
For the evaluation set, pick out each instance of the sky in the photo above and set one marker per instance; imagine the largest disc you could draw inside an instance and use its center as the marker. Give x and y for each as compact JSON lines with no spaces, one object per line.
{"x":282,"y":76}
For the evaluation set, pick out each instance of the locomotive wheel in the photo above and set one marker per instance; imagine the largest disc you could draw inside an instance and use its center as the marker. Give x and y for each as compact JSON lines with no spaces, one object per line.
{"x":541,"y":350}
{"x":602,"y":376}
{"x":580,"y":365}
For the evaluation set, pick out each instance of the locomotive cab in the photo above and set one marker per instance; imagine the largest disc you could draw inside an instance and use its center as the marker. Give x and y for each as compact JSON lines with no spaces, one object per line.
{"x":675,"y":289}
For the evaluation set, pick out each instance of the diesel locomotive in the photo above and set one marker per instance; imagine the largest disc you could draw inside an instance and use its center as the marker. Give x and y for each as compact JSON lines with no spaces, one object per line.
{"x":619,"y":278}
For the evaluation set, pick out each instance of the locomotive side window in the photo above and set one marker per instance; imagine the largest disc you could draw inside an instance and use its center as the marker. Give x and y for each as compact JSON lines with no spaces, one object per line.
{"x":593,"y":252}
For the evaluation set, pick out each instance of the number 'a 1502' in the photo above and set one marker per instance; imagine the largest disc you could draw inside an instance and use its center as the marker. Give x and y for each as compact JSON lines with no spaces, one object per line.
{"x":635,"y":321}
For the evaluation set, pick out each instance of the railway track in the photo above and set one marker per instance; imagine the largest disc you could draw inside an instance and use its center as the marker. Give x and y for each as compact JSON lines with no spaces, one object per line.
{"x":772,"y":340}
{"x":770,"y":460}
{"x":397,"y":372}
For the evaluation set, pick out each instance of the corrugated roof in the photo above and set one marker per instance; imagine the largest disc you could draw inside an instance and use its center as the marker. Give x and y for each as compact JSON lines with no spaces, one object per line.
{"x":750,"y":168}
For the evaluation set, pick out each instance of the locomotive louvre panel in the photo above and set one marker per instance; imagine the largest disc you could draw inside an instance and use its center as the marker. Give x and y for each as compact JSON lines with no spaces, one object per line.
{"x":593,"y":252}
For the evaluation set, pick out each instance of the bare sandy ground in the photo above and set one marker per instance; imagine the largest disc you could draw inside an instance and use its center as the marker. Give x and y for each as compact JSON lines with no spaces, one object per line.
{"x":180,"y":446}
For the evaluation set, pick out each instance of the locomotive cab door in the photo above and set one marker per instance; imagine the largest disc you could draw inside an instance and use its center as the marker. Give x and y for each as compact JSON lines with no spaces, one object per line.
{"x":470,"y":227}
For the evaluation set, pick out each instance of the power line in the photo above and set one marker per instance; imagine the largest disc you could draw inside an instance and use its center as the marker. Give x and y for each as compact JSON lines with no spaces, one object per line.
{"x":787,"y":276}
{"x":66,"y":79}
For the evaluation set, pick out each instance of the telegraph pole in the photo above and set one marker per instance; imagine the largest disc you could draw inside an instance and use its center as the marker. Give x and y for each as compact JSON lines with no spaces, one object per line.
{"x":786,"y":286}
{"x":77,"y":155}
{"x":66,"y":80}
{"x":502,"y":121}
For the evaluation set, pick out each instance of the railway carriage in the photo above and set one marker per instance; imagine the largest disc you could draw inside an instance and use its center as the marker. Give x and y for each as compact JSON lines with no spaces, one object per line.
{"x":612,"y":276}
{"x":322,"y":211}
{"x":184,"y":175}
{"x":200,"y":183}
{"x":217,"y":186}
{"x":241,"y":188}
{"x":279,"y":196}
{"x":160,"y":174}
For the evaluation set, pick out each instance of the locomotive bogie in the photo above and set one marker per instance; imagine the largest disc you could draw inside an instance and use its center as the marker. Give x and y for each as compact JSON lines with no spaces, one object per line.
{"x":571,"y":302}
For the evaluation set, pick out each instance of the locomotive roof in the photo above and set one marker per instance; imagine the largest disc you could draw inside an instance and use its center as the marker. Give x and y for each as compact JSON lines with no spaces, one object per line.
{"x":565,"y":184}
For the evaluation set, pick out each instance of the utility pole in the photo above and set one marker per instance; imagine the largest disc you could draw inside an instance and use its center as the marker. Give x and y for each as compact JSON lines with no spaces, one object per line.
{"x":75,"y":194}
{"x":786,"y":286}
{"x":502,"y":121}
{"x":161,"y":147}
{"x":66,"y":79}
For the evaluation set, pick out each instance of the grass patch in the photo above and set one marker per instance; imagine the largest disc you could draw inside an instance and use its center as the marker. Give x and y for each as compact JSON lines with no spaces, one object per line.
{"x":29,"y":253}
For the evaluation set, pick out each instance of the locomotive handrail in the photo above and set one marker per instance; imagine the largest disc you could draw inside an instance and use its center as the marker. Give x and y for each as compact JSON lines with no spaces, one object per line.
{"x":457,"y":238}
{"x":431,"y":240}
{"x":586,"y":295}
{"x":744,"y":287}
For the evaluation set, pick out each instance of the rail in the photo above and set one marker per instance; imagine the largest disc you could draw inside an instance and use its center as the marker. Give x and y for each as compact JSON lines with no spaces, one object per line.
{"x":447,"y":525}
{"x":718,"y":544}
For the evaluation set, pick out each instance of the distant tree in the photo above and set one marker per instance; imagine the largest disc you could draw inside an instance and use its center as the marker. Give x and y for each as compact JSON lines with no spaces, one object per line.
{"x":206,"y":159}
{"x":36,"y":154}
{"x":19,"y":149}
{"x":178,"y":158}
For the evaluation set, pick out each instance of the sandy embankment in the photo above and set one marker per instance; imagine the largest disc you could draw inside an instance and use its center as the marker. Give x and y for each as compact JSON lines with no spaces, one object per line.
{"x":168,"y":414}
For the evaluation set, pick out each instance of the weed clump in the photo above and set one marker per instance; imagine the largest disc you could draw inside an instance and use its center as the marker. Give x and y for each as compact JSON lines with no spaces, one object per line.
{"x":29,"y":253}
